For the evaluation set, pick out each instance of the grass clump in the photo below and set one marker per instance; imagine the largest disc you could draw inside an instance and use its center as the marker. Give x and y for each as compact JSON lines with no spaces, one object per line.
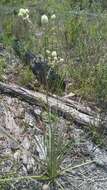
{"x":26,"y":77}
{"x":53,"y":149}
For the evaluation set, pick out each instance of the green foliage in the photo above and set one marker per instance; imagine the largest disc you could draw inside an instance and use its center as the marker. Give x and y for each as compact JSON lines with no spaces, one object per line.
{"x":101,"y":82}
{"x":2,"y":68}
{"x":13,"y":2}
{"x":79,"y":34}
{"x":87,"y":65}
{"x":82,"y":41}
{"x":49,"y":117}
{"x":56,"y":147}
{"x":26,"y":76}
{"x":6,"y":29}
{"x":96,"y":135}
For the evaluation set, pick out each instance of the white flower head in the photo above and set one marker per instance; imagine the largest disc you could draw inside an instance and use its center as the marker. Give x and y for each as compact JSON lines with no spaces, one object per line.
{"x":44,"y":19}
{"x":27,"y":18}
{"x":55,"y":58}
{"x":53,"y":17}
{"x":54,"y":54}
{"x":21,"y":12}
{"x":47,"y":51}
{"x":49,"y":58}
{"x":61,"y":60}
{"x":27,"y":11}
{"x":24,"y":13}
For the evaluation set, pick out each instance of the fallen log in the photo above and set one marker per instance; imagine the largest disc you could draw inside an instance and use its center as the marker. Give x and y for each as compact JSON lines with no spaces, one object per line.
{"x":67,"y":108}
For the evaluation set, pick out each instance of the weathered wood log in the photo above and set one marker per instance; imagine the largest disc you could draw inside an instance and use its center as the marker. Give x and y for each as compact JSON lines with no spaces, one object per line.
{"x":67,"y":108}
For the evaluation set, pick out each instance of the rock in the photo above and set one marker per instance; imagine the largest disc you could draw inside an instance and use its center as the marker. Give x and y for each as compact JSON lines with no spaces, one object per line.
{"x":45,"y":74}
{"x":17,"y":155}
{"x":45,"y":187}
{"x":26,"y":143}
{"x":37,"y":111}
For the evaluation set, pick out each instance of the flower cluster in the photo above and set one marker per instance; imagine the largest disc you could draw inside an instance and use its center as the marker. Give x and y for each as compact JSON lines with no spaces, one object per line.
{"x":24,"y":13}
{"x":45,"y":19}
{"x":53,"y":58}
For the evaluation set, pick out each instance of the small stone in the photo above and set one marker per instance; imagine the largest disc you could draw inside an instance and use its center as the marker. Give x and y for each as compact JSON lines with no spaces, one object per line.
{"x":25,"y":157}
{"x":45,"y":187}
{"x":17,"y":155}
{"x":26,"y":143}
{"x":37,"y":111}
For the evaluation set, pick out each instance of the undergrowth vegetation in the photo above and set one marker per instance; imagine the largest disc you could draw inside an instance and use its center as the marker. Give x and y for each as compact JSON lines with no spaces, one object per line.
{"x":78,"y":34}
{"x":72,"y":37}
{"x":53,"y":149}
{"x":26,"y":77}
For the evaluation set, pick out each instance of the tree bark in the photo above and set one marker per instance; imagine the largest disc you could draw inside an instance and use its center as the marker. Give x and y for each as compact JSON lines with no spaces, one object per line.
{"x":69,"y":109}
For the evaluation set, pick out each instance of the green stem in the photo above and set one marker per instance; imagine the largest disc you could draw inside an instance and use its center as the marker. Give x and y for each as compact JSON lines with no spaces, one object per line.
{"x":24,"y":177}
{"x":61,"y":187}
{"x":77,"y":166}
